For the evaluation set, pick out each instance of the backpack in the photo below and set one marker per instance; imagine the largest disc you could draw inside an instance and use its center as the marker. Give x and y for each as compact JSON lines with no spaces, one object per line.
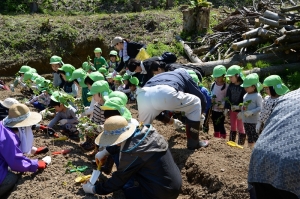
{"x":168,"y":57}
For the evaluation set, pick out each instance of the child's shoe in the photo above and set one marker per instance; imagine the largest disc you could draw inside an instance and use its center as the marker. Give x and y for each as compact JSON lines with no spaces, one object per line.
{"x":223,"y":136}
{"x":217,"y":135}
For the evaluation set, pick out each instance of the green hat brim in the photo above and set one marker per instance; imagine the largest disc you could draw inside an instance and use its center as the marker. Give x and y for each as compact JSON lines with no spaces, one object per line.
{"x":281,"y":90}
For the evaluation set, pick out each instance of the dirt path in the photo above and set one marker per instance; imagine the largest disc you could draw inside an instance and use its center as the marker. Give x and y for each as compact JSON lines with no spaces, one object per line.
{"x":217,"y":171}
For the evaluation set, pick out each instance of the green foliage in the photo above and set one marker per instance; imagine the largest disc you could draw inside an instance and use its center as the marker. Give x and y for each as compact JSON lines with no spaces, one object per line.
{"x":262,"y":64}
{"x":248,"y":66}
{"x":157,"y":49}
{"x":292,"y":80}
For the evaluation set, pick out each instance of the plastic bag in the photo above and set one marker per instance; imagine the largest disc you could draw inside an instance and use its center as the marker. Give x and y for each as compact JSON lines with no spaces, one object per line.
{"x":142,"y":55}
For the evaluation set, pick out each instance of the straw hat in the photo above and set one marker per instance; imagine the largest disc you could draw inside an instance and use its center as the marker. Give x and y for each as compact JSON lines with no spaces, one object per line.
{"x":116,"y":130}
{"x":8,"y":102}
{"x":19,"y":115}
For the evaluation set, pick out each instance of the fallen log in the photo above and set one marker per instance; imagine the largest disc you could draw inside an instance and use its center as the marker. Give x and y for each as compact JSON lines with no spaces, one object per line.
{"x":290,"y":9}
{"x":285,"y":38}
{"x":292,"y":32}
{"x":188,"y":51}
{"x":237,"y":59}
{"x":266,"y":34}
{"x":283,"y":48}
{"x":201,"y":50}
{"x":269,"y":22}
{"x":249,"y":42}
{"x":276,"y":69}
{"x":272,"y":15}
{"x":251,"y":33}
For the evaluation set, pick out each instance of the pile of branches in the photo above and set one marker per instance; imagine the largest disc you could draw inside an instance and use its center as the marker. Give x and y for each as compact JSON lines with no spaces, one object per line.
{"x":263,"y":30}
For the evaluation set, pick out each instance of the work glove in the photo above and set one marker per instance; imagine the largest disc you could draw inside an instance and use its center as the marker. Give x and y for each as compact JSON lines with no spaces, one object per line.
{"x":42,"y":164}
{"x":28,"y":103}
{"x":240,"y":115}
{"x":36,"y":151}
{"x":225,"y":112}
{"x":177,"y":124}
{"x":88,"y":188}
{"x":63,"y":121}
{"x":101,"y":156}
{"x":248,"y":113}
{"x":258,"y":126}
{"x":235,"y":108}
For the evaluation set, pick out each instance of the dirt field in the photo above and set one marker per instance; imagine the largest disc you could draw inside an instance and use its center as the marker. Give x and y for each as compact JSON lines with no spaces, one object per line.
{"x":217,"y":171}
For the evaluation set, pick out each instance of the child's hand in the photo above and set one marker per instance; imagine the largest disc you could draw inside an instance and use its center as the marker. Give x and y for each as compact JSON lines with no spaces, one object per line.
{"x":248,"y":113}
{"x":235,"y":108}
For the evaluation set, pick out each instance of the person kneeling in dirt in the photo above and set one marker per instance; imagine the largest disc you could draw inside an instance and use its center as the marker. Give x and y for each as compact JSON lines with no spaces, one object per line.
{"x":275,"y":161}
{"x":144,"y":155}
{"x":16,"y":139}
{"x":173,"y":91}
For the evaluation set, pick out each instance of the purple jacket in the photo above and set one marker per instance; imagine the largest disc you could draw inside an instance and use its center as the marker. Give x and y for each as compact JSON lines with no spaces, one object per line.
{"x":11,"y":155}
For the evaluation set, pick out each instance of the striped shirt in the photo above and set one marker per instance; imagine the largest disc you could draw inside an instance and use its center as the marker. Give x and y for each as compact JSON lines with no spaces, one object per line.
{"x":98,"y":115}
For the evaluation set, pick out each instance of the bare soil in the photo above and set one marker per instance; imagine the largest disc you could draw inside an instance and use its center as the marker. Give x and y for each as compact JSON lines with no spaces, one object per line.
{"x":217,"y":171}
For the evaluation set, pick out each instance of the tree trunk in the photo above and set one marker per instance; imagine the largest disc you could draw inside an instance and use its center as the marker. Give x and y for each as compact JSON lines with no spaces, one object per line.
{"x":196,"y":19}
{"x":201,"y":50}
{"x":277,"y":69}
{"x":251,"y":33}
{"x":272,"y":15}
{"x":154,"y":3}
{"x":237,"y":59}
{"x":249,"y":42}
{"x":283,"y":48}
{"x":269,"y":22}
{"x":188,"y":51}
{"x":293,"y":32}
{"x":137,"y":6}
{"x":290,"y":9}
{"x":266,"y":34}
{"x":169,"y":4}
{"x":286,"y":38}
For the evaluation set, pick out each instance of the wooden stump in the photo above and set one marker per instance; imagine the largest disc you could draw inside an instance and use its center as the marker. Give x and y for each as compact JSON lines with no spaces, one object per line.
{"x":137,"y":7}
{"x":169,"y":4}
{"x":196,"y":19}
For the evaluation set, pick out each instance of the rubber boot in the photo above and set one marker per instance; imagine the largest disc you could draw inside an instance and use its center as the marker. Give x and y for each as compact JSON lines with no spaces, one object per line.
{"x":223,"y":136}
{"x":217,"y":135}
{"x":192,"y":134}
{"x":242,"y":138}
{"x":232,"y":136}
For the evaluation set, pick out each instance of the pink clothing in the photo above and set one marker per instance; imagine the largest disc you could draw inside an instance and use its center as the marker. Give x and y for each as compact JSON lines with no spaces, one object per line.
{"x":235,"y":123}
{"x":220,"y":95}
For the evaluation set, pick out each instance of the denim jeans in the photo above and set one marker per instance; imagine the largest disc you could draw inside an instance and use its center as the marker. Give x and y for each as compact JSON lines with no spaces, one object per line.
{"x":8,"y":183}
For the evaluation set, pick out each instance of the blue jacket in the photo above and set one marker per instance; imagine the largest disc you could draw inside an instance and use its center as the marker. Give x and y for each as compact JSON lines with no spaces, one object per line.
{"x":206,"y":93}
{"x":180,"y":80}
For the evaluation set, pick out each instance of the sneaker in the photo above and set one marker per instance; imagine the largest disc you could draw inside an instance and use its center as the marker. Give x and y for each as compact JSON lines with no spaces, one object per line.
{"x":203,"y":143}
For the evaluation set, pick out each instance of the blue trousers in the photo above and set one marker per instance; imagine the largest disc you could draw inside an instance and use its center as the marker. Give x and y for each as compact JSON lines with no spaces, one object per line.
{"x":39,"y":106}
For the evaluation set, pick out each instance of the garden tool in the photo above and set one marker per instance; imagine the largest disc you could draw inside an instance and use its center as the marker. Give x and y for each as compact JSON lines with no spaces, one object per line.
{"x":82,"y":178}
{"x":63,"y":152}
{"x":63,"y":138}
{"x":234,"y":144}
{"x":79,"y":168}
{"x":96,"y":174}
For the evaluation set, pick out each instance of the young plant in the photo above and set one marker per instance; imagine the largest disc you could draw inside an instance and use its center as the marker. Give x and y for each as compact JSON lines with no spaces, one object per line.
{"x":228,"y":101}
{"x":85,"y":126}
{"x":245,"y":104}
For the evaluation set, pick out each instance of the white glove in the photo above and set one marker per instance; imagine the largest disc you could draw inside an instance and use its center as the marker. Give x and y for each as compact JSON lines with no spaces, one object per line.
{"x":225,"y":112}
{"x":202,"y":119}
{"x":257,"y":128}
{"x":47,"y":159}
{"x":88,"y":187}
{"x":100,"y":128}
{"x":177,"y":124}
{"x":27,"y":103}
{"x":240,"y":115}
{"x":114,"y":73}
{"x":63,"y":121}
{"x":100,"y":155}
{"x":43,"y":113}
{"x":235,"y":108}
{"x":248,"y":113}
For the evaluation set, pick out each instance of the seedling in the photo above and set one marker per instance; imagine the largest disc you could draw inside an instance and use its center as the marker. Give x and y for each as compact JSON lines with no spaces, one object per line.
{"x":245,"y":104}
{"x":85,"y":126}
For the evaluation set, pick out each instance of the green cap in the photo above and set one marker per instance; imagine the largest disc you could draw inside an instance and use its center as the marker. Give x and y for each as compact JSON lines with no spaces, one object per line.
{"x":219,"y":71}
{"x":252,"y":79}
{"x":118,"y":78}
{"x":87,"y":66}
{"x":79,"y":74}
{"x":126,"y":76}
{"x":61,"y":97}
{"x":134,"y":80}
{"x":24,"y":69}
{"x":30,"y":76}
{"x":235,"y":70}
{"x":191,"y":72}
{"x":39,"y":80}
{"x":69,"y":69}
{"x":195,"y":78}
{"x":109,"y":75}
{"x":44,"y":85}
{"x":118,"y":94}
{"x":96,"y":76}
{"x":33,"y":70}
{"x":113,"y":52}
{"x":116,"y":103}
{"x":102,"y":70}
{"x":55,"y":59}
{"x":101,"y":87}
{"x":97,"y":50}
{"x":275,"y":81}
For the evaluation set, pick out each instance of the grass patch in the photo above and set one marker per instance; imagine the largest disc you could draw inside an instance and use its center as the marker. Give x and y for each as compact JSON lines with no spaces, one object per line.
{"x":157,"y":49}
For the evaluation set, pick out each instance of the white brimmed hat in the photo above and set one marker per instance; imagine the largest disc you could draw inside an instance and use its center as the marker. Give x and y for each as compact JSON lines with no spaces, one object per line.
{"x":116,"y":130}
{"x":19,"y":115}
{"x":116,"y":40}
{"x":8,"y":102}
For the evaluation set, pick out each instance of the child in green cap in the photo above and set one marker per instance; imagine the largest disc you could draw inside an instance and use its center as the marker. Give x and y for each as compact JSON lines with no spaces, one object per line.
{"x":65,"y":115}
{"x":56,"y":62}
{"x":88,"y":67}
{"x":110,"y":81}
{"x":218,"y":92}
{"x":234,"y":97}
{"x":99,"y":61}
{"x":113,"y":61}
{"x":118,"y":82}
{"x":66,"y":72}
{"x":133,"y":85}
{"x":20,"y":79}
{"x":252,"y":104}
{"x":274,"y":88}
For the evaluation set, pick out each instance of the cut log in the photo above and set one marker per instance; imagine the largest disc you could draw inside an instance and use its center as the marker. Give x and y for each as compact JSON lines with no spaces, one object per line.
{"x":293,"y":32}
{"x":196,"y":19}
{"x":211,"y":51}
{"x":251,"y":33}
{"x":266,"y":34}
{"x":249,"y":42}
{"x":237,"y":59}
{"x":256,"y":23}
{"x":201,"y":50}
{"x":276,"y":69}
{"x":272,"y":15}
{"x":188,"y":51}
{"x":169,"y":4}
{"x":269,"y":22}
{"x":283,"y":48}
{"x":285,"y":38}
{"x":290,"y":9}
{"x":282,"y":31}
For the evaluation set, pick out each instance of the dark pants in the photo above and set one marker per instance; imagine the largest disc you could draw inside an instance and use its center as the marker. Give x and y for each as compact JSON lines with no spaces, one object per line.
{"x":250,"y":130}
{"x":267,"y":191}
{"x":218,"y":122}
{"x":39,"y":106}
{"x":8,"y":183}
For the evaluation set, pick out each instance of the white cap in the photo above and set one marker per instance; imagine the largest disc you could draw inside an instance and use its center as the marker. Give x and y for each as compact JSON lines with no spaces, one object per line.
{"x":8,"y":102}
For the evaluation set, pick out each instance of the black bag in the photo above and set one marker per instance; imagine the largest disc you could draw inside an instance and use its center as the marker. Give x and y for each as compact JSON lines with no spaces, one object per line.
{"x":168,"y":57}
{"x":199,"y":72}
